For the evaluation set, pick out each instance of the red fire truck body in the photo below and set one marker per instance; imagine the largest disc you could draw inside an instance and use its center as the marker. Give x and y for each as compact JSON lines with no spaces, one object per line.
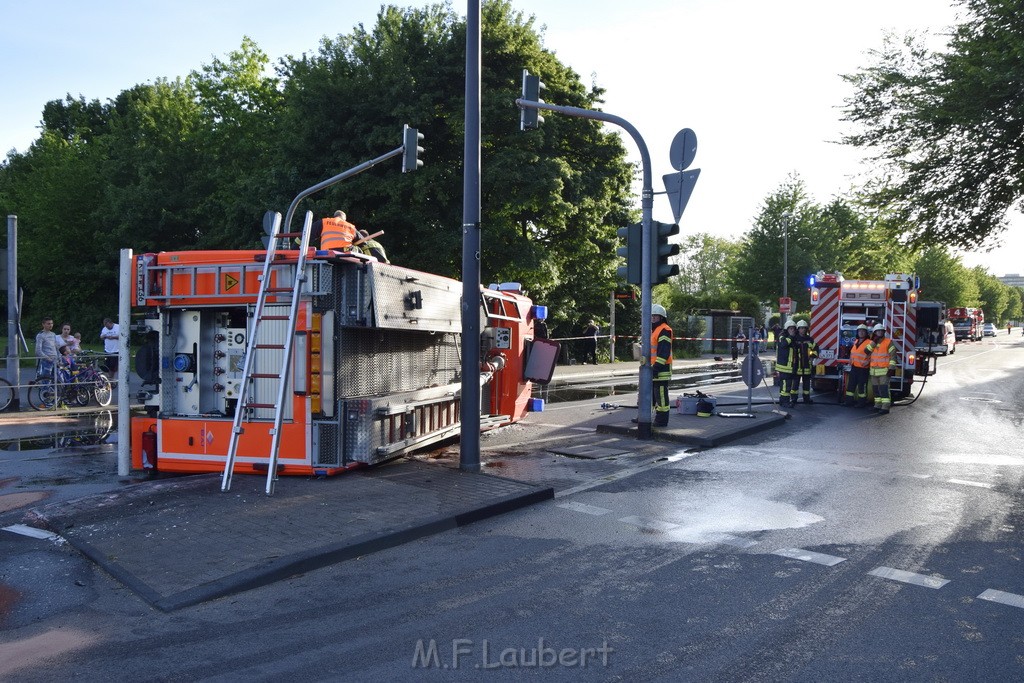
{"x":838,"y":306}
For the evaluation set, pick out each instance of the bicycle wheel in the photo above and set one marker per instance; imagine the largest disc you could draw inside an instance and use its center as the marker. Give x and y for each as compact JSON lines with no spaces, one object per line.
{"x":6,"y":395}
{"x":81,"y":394}
{"x":103,"y":390}
{"x":42,"y":395}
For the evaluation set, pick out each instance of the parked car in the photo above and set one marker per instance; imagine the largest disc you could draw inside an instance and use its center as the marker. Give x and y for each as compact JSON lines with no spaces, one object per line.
{"x":989,"y":330}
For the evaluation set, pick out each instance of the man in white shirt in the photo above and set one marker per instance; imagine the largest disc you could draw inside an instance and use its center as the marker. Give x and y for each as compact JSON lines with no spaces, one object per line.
{"x":110,"y":333}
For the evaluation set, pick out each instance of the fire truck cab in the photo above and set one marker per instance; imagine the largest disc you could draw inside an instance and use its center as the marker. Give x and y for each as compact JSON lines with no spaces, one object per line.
{"x":838,"y":306}
{"x":375,"y":360}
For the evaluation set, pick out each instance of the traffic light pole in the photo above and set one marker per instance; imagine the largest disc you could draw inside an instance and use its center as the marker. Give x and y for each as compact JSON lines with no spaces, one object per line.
{"x":646,"y":392}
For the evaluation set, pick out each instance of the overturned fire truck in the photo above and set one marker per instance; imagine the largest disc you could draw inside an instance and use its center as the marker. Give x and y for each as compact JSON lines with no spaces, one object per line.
{"x":838,"y":306}
{"x":311,"y":362}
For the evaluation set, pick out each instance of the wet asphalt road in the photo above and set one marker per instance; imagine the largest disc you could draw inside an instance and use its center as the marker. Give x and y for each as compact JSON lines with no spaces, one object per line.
{"x":842,"y":545}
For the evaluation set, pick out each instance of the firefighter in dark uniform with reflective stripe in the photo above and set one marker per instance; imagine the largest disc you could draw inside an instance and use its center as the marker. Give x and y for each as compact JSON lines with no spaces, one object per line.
{"x":661,"y":361}
{"x":806,"y":350}
{"x":784,"y":364}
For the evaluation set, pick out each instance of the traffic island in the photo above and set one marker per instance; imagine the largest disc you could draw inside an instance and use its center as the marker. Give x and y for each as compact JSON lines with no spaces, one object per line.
{"x":707,"y":432}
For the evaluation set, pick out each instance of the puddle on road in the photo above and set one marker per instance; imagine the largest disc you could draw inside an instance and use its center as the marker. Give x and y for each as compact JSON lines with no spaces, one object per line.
{"x":89,"y":432}
{"x":705,"y":517}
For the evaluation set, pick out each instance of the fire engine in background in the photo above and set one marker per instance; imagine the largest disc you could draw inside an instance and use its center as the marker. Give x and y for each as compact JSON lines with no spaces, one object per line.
{"x":969,"y":323}
{"x":373,"y":359}
{"x":935,"y":331}
{"x":838,"y":306}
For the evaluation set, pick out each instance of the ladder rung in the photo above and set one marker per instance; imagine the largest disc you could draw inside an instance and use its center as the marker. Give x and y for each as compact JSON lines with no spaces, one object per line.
{"x":260,"y":405}
{"x":275,"y":347}
{"x":289,"y":234}
{"x":274,"y":317}
{"x":277,"y":290}
{"x":264,"y":375}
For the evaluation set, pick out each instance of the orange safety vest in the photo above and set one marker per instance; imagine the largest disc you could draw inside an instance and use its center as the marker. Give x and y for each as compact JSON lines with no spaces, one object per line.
{"x":859,"y":353}
{"x":883,"y":355}
{"x":662,"y":331}
{"x":337,"y":234}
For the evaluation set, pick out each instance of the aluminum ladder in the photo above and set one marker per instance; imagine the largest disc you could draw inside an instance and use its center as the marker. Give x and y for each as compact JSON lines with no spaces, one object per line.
{"x":254,"y":345}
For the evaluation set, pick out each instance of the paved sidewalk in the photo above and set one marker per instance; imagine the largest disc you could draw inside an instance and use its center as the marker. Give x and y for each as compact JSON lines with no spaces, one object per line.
{"x":179,"y":542}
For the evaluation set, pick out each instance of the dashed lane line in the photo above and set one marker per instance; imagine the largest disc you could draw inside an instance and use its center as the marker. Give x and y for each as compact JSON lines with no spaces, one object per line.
{"x":909,"y":577}
{"x":648,"y":523}
{"x":810,"y":556}
{"x":584,"y":508}
{"x":1011,"y":599}
{"x":32,"y":532}
{"x":965,"y":482}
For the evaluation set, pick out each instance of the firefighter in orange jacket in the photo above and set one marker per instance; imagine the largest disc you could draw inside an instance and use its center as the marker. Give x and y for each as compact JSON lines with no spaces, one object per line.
{"x":661,"y":361}
{"x":882,"y":355}
{"x":860,"y":360}
{"x":337,"y":234}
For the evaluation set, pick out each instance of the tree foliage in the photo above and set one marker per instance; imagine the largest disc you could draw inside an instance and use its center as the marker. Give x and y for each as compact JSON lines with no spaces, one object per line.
{"x":194,"y":162}
{"x":944,"y":278}
{"x":947,"y":127}
{"x":795,"y":234}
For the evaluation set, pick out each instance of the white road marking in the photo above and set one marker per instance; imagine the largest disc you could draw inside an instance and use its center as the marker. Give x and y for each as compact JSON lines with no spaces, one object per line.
{"x":647,"y":523}
{"x":1011,"y":599}
{"x":729,"y":539}
{"x":909,"y":577}
{"x":584,"y":508}
{"x":965,"y":482}
{"x":810,"y":556}
{"x":32,"y":532}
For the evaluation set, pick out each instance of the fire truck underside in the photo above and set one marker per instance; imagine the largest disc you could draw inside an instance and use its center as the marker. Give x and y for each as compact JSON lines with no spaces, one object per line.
{"x":376,"y":369}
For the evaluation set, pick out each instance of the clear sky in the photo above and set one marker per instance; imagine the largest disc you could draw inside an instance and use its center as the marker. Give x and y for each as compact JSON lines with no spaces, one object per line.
{"x":757,"y":81}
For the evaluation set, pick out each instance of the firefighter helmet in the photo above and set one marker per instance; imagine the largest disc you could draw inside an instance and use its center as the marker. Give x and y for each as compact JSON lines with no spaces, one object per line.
{"x":789,"y":323}
{"x":658,"y":309}
{"x":878,"y":328}
{"x":862,"y":327}
{"x":801,"y":323}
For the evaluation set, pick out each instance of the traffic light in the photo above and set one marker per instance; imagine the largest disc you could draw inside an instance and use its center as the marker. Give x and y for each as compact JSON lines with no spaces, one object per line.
{"x":661,"y":250}
{"x":411,"y":149}
{"x":631,"y":252}
{"x":530,"y":118}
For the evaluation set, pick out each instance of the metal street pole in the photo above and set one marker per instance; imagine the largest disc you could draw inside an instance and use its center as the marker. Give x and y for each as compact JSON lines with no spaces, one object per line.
{"x":646,"y":392}
{"x":469,"y":443}
{"x":785,"y":255}
{"x":13,"y":363}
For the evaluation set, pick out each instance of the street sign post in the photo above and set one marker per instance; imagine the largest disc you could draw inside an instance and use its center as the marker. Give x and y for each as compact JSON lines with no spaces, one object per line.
{"x":785,"y":304}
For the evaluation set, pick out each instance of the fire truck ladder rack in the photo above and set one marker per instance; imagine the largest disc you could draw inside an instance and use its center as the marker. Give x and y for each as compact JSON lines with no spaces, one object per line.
{"x":254,"y":345}
{"x":898,"y":321}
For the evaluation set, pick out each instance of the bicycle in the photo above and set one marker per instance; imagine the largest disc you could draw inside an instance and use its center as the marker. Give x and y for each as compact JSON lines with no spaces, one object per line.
{"x":6,"y":395}
{"x":86,"y":383}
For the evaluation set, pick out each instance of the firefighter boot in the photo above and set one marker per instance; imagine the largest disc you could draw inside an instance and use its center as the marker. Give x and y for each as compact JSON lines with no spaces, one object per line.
{"x":807,"y":398}
{"x":661,"y":419}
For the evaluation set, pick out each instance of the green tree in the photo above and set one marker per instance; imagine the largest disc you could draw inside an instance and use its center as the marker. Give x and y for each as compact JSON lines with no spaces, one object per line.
{"x":551,"y":198}
{"x":944,"y":278}
{"x":946,"y":127}
{"x":705,"y":262}
{"x":994,"y":296}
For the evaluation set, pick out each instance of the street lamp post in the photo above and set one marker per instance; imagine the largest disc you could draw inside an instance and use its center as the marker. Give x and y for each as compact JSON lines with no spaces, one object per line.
{"x":786,"y":217}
